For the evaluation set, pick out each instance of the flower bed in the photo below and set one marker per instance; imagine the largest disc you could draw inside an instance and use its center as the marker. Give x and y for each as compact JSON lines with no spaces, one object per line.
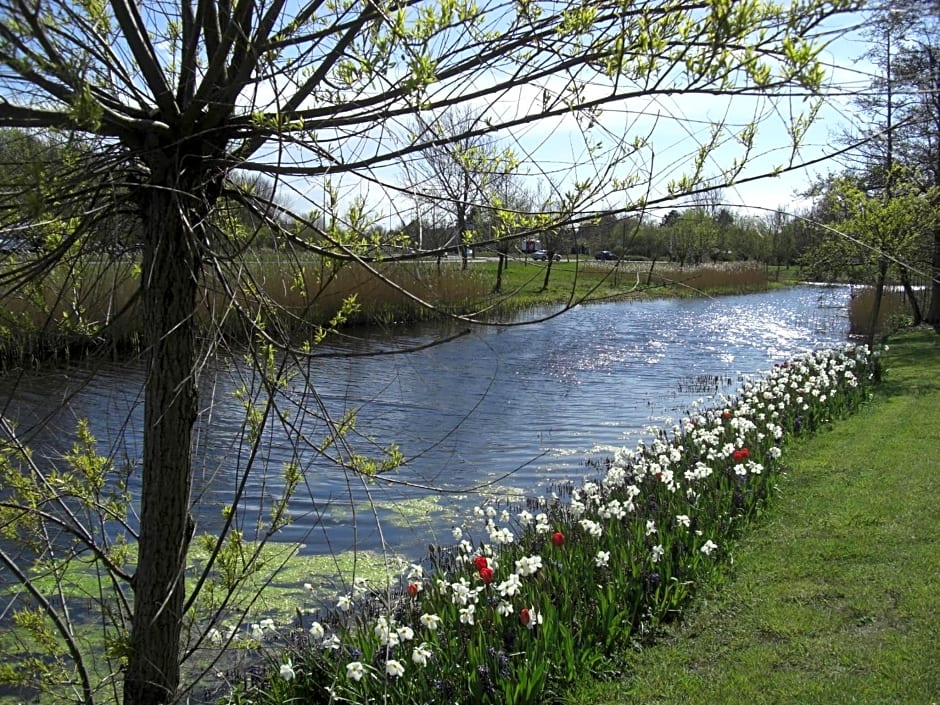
{"x":535,"y":596}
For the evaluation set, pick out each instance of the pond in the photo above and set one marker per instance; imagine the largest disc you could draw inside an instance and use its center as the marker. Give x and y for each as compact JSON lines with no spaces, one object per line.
{"x":502,"y":412}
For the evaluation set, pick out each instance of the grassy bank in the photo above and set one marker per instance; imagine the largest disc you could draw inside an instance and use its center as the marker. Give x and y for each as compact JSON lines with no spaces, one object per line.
{"x":573,"y":280}
{"x":89,"y":305}
{"x":834,"y":596}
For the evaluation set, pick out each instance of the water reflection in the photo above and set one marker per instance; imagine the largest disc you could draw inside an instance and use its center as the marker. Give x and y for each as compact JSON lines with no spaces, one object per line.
{"x":504,"y":410}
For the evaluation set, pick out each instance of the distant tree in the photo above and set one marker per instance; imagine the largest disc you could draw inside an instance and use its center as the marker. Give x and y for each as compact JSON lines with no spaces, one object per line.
{"x":671,"y":218}
{"x":694,"y":237}
{"x":461,"y":170}
{"x":253,"y":210}
{"x":26,"y":160}
{"x":783,"y":249}
{"x":512,"y":209}
{"x":879,"y":232}
{"x":724,"y":218}
{"x":651,"y":242}
{"x":899,"y":118}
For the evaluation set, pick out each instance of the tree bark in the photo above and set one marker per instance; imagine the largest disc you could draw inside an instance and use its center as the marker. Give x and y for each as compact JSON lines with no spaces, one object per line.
{"x":498,"y":288}
{"x":933,"y":312}
{"x":169,"y":287}
{"x":876,"y":306}
{"x":916,"y":313}
{"x":548,"y":269}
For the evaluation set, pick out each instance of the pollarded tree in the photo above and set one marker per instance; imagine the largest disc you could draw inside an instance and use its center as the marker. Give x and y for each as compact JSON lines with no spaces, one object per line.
{"x":174,"y":97}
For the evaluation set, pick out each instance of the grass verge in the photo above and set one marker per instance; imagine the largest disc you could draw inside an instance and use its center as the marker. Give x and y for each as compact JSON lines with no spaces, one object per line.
{"x":834,"y":595}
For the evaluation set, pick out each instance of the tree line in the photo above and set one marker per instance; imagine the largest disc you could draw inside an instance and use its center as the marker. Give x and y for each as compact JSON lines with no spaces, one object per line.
{"x":705,"y":231}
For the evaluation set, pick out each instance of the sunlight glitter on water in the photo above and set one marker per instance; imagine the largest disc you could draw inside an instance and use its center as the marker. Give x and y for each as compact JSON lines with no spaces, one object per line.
{"x":521,"y":406}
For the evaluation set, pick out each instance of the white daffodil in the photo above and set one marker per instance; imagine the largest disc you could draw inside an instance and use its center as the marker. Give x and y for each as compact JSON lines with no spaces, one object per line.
{"x":510,"y":586}
{"x":466,"y":614}
{"x":430,"y":621}
{"x":421,"y":654}
{"x":528,"y":565}
{"x":355,"y":670}
{"x":708,"y":547}
{"x":657,"y":553}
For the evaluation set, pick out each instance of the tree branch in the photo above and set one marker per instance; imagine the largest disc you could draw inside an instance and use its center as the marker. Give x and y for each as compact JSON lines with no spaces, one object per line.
{"x":135,"y":33}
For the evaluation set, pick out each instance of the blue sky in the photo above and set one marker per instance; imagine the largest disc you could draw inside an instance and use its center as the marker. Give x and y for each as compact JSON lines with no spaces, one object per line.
{"x":676,"y":126}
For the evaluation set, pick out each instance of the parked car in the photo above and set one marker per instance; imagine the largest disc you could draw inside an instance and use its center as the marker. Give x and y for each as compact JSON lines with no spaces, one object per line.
{"x":605,"y":256}
{"x":542,"y":256}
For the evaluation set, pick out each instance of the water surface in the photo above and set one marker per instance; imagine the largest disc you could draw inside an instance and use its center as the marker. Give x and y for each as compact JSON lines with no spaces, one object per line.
{"x":502,"y":411}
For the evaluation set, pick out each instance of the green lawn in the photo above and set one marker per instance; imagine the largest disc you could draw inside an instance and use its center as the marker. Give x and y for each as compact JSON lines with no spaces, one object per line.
{"x":834,"y":595}
{"x":573,"y":280}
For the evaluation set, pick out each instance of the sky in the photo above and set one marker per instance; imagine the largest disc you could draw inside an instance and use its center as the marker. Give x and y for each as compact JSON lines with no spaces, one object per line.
{"x":848,"y":72}
{"x":676,"y":127}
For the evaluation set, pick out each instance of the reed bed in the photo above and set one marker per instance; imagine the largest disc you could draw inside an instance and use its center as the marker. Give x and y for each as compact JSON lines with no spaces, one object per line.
{"x":731,"y":278}
{"x":92,"y":306}
{"x":89,"y":305}
{"x":894,"y":311}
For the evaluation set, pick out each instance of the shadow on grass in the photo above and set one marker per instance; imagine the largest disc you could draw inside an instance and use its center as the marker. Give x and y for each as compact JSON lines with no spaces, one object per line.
{"x":915,"y":367}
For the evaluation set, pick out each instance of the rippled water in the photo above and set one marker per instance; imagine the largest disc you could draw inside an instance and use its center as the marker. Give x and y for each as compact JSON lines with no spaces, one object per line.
{"x":506,"y":410}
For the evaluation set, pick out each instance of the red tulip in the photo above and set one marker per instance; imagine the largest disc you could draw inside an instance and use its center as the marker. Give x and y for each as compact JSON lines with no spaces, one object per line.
{"x":480,"y":562}
{"x":486,"y":575}
{"x":558,"y":538}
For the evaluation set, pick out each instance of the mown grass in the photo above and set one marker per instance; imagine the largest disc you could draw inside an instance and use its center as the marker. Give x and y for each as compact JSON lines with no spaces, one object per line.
{"x":834,"y":596}
{"x":575,"y":280}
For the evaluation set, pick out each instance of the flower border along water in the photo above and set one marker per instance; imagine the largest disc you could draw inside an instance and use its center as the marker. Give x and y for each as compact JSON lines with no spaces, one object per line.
{"x":550,"y":591}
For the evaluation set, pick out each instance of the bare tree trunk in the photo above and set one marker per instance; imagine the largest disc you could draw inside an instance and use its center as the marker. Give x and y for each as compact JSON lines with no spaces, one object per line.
{"x":649,"y":274}
{"x":462,"y":231}
{"x":876,"y":306}
{"x":169,"y":287}
{"x":548,"y":271}
{"x":933,"y":312}
{"x":499,"y":273}
{"x":911,"y":295}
